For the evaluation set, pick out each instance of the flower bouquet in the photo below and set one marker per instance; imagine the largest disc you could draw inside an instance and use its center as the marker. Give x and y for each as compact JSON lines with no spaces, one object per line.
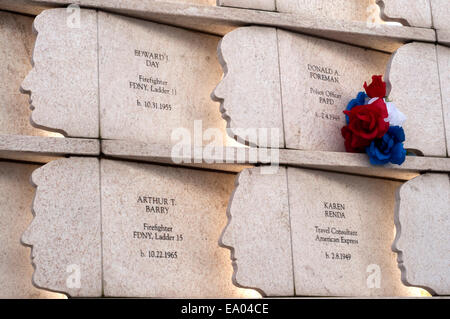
{"x":374,"y":125}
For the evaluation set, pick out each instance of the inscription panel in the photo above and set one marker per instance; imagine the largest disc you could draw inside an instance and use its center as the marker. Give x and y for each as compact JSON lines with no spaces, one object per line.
{"x":342,"y":231}
{"x":161,"y":227}
{"x":166,"y":77}
{"x":318,"y":79}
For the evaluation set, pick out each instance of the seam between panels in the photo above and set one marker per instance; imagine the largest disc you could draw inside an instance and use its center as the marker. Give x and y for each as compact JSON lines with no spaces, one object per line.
{"x":436,"y":48}
{"x":101,"y":225}
{"x":290,"y":231}
{"x":99,"y":158}
{"x":99,"y":132}
{"x":281,"y":89}
{"x":430,"y":5}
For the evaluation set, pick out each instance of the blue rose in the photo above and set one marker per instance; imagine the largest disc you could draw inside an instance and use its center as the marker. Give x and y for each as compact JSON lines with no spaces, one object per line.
{"x":360,"y":100}
{"x":389,"y":148}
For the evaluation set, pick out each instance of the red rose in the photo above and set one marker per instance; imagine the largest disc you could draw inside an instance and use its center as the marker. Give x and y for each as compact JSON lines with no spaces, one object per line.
{"x":366,"y":123}
{"x":377,"y":88}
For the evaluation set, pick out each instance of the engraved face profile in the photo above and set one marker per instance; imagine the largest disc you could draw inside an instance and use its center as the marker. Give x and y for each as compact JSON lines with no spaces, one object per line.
{"x":314,"y":230}
{"x":249,"y":92}
{"x":63,"y":83}
{"x":84,"y":250}
{"x":64,"y":234}
{"x":37,"y":235}
{"x":248,"y":229}
{"x":273,"y":78}
{"x":422,"y":220}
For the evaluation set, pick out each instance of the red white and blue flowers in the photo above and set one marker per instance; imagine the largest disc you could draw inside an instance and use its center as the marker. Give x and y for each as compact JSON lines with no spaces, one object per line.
{"x":374,"y":125}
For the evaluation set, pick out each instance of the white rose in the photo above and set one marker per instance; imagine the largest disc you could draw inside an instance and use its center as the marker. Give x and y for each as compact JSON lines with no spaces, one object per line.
{"x":395,"y":117}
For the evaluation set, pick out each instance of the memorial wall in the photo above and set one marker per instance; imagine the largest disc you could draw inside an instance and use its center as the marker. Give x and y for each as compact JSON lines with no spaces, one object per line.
{"x":229,"y":149}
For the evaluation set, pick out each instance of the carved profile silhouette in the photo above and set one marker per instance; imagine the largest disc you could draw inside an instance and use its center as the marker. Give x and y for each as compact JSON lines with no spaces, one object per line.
{"x":399,"y":11}
{"x":14,"y":66}
{"x":63,"y":84}
{"x":326,"y":234}
{"x":422,"y":242}
{"x":153,"y":235}
{"x":257,"y":265}
{"x":300,"y":85}
{"x":108,"y":66}
{"x":267,"y":84}
{"x":64,"y":235}
{"x":242,"y":107}
{"x":15,"y":268}
{"x":412,"y":70}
